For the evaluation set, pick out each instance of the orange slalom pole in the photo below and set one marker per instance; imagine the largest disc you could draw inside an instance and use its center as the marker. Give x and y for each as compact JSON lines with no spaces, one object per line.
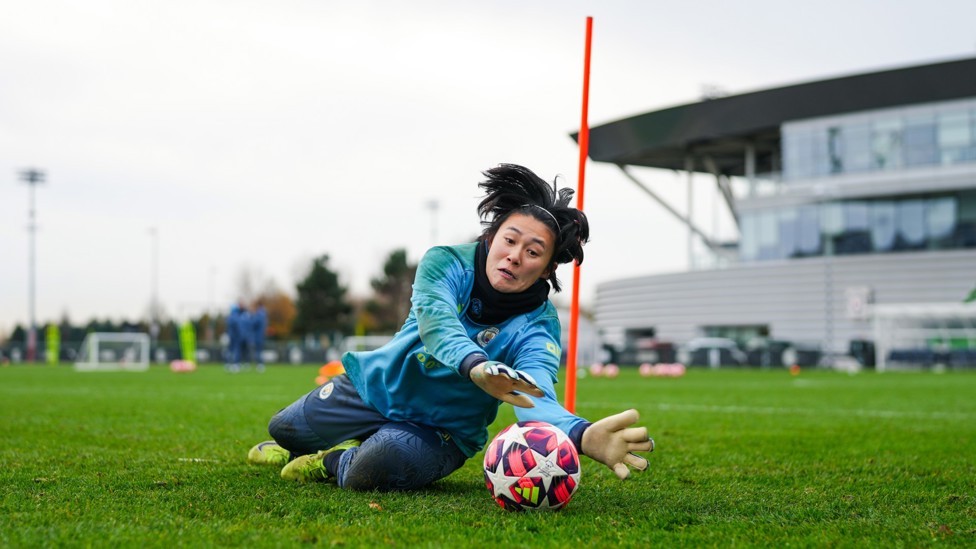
{"x":584,"y":145}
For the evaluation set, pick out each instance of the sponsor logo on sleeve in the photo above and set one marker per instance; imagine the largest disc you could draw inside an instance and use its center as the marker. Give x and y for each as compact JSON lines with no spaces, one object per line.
{"x":552,"y":348}
{"x":426,"y":359}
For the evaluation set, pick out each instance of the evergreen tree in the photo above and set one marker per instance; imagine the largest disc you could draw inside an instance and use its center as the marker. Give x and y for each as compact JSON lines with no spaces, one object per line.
{"x":391,"y":302}
{"x":322,"y":306}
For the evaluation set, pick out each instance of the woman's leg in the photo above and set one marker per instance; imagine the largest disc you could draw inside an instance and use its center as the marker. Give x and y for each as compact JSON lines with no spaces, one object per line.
{"x":399,"y":456}
{"x":330,"y":414}
{"x":393,"y":455}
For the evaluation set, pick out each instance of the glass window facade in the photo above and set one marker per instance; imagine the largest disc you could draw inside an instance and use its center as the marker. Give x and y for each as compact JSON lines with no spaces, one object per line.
{"x":938,"y":222}
{"x":939,"y":134}
{"x":884,"y":140}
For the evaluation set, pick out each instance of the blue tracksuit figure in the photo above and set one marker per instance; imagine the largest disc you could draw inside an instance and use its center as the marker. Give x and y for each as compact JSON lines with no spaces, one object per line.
{"x":258,"y":327}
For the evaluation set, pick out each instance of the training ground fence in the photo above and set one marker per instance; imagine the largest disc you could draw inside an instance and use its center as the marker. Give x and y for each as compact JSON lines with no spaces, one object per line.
{"x":163,"y":351}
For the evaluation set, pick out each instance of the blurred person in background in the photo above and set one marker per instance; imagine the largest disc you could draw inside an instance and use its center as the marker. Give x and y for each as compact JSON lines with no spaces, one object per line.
{"x":258,"y":327}
{"x":236,"y":327}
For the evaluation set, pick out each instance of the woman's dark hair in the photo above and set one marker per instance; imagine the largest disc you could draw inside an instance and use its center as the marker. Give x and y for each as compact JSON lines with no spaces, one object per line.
{"x":510,"y":188}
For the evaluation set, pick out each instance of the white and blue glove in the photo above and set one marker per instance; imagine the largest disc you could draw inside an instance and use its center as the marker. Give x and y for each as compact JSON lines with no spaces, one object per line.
{"x":505,"y":383}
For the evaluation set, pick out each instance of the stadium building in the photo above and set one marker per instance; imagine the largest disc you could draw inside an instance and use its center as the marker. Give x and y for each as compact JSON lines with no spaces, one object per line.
{"x":851,"y":196}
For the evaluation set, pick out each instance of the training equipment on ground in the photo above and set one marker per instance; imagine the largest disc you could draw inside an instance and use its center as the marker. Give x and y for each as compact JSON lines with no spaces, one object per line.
{"x":328,"y":371}
{"x":532,"y":466}
{"x":675,"y":369}
{"x":182,"y":366}
{"x":102,"y":351}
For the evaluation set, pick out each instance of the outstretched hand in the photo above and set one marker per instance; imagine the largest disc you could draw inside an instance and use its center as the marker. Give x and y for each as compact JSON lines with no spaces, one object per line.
{"x":612,"y":439}
{"x":502,"y":382}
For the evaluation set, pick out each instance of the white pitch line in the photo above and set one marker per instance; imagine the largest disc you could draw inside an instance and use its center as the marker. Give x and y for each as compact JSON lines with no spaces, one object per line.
{"x":771,"y":410}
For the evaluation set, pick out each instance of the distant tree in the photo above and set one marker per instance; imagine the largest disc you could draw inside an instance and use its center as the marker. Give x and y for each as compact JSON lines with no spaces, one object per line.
{"x":220,"y":324}
{"x":281,"y":313}
{"x":169,"y":331}
{"x":95,"y":325}
{"x":68,"y":332}
{"x":204,"y":325}
{"x":365,"y":322}
{"x":19,"y":335}
{"x":129,"y":326}
{"x":322,"y":306}
{"x":391,"y":300}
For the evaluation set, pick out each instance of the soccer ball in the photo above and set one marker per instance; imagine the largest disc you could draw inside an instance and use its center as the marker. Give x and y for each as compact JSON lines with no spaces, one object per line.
{"x":532,"y":466}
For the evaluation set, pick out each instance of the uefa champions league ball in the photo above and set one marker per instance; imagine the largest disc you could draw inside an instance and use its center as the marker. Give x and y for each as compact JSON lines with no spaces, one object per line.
{"x":532,"y":466}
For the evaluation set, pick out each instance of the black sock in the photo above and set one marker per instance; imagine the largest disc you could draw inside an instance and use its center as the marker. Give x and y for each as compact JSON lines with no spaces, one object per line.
{"x":331,"y":462}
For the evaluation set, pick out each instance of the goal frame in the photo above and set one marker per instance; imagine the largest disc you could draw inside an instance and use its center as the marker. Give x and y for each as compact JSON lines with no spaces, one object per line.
{"x":925,"y":329}
{"x":91,"y":348}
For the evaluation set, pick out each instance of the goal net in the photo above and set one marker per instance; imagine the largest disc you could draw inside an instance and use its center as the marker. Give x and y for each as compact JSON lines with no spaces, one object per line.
{"x":922,"y":335}
{"x":114,"y":351}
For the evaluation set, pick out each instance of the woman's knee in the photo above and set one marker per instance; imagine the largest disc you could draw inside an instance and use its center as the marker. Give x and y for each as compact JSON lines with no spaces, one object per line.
{"x":290,"y":430}
{"x":395,"y":459}
{"x":280,"y":426}
{"x":385,"y":467}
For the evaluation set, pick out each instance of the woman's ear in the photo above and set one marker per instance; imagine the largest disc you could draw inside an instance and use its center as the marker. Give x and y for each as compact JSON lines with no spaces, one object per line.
{"x":550,"y":270}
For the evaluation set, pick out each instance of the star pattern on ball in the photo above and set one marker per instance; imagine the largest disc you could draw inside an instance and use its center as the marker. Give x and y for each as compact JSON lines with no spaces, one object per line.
{"x":523,"y":467}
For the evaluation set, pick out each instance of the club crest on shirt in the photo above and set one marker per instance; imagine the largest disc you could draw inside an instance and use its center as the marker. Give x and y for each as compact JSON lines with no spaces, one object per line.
{"x":326,"y":391}
{"x":485,"y":336}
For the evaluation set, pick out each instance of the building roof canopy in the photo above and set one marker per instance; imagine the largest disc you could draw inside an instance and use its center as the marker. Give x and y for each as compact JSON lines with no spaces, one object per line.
{"x":722,"y":128}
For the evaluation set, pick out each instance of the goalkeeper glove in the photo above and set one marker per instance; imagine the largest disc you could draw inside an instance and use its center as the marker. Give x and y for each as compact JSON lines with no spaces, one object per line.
{"x":502,"y":382}
{"x":611,"y":441}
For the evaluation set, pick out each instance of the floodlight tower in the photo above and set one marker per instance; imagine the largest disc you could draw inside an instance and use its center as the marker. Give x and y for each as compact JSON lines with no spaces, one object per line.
{"x":32,"y":177}
{"x":154,"y":303}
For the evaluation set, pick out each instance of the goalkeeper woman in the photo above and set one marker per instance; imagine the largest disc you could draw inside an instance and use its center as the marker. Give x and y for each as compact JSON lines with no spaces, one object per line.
{"x":481,"y":331}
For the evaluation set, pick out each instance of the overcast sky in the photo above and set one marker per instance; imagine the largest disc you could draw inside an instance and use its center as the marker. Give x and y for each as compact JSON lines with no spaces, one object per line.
{"x":258,"y":135}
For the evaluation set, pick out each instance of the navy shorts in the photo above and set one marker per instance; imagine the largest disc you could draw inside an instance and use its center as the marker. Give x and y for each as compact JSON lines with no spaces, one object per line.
{"x":394,"y":455}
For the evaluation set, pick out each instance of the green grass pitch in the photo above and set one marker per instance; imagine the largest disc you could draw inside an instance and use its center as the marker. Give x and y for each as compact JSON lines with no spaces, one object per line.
{"x":745,"y":458}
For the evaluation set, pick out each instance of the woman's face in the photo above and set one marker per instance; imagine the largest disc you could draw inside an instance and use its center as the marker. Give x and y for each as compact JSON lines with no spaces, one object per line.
{"x":519,"y":254}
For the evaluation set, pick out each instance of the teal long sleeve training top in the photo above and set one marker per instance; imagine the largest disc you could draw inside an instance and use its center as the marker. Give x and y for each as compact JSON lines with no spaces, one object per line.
{"x":416,"y":377}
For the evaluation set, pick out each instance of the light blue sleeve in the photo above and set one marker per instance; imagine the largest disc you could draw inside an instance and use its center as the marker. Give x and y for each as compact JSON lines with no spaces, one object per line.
{"x":538,"y":356}
{"x":439,"y":289}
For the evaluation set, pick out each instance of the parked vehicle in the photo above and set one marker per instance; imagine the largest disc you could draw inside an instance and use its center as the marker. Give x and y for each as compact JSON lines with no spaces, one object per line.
{"x":765,"y":353}
{"x":712,"y":352}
